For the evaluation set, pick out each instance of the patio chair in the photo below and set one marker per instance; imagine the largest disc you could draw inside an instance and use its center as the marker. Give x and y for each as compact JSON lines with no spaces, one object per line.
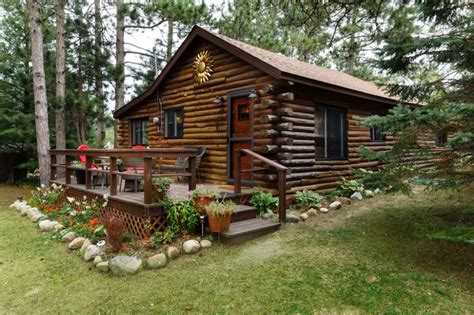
{"x":182,"y":163}
{"x":132,"y":165}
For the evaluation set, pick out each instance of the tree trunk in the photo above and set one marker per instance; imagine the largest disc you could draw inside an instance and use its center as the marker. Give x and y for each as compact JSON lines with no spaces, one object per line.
{"x":169,"y":44}
{"x":99,"y":88}
{"x":39,"y":88}
{"x":120,"y":57}
{"x":60,"y":83}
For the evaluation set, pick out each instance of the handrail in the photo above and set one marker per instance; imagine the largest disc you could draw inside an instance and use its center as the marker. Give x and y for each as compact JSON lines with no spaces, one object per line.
{"x":147,"y":155}
{"x":281,"y":175}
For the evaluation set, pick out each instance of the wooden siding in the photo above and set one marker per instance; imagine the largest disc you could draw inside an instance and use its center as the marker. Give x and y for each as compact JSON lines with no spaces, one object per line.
{"x":205,"y":123}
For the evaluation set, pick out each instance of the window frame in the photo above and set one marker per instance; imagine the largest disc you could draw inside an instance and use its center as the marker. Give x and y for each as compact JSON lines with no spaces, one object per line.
{"x":344,"y":130}
{"x":179,"y":130}
{"x":143,"y":131}
{"x":373,"y":135}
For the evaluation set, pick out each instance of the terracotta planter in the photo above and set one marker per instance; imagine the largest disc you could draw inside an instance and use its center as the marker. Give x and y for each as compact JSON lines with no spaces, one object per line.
{"x":159,"y":193}
{"x":201,"y":203}
{"x":218,"y":224}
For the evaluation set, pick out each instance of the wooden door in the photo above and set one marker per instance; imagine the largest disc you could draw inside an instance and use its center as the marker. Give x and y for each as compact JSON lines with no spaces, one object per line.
{"x":240,"y":133}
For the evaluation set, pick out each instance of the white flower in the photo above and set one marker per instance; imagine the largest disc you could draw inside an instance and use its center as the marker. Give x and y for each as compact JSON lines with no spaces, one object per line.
{"x":73,"y":213}
{"x":106,"y":197}
{"x":84,"y":197}
{"x":70,"y":199}
{"x":43,"y":186}
{"x":88,"y":207}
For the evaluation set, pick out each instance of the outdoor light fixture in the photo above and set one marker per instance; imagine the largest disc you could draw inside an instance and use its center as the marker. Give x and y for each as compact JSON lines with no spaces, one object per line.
{"x":219,"y":100}
{"x":156,"y":120}
{"x":202,"y":218}
{"x":253,"y":94}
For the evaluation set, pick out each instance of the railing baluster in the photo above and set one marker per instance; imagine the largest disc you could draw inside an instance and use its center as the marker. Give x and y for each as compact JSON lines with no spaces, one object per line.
{"x":282,"y":195}
{"x":147,"y":179}
{"x":53,"y":167}
{"x":237,"y":171}
{"x":113,"y":176}
{"x":88,"y":173}
{"x":68,"y":172}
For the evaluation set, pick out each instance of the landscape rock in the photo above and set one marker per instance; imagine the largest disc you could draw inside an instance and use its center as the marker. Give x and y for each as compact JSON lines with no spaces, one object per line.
{"x":157,"y":261}
{"x":47,"y":225}
{"x":76,"y":243}
{"x":369,"y":193}
{"x":292,"y":218}
{"x":191,"y":246}
{"x":312,"y":212}
{"x":356,"y":196}
{"x":36,"y":217}
{"x":68,"y":237}
{"x":206,"y":244}
{"x":58,"y":227}
{"x":91,"y":252}
{"x":267,"y":215}
{"x":17,"y":204}
{"x":103,"y":266}
{"x":84,"y":246}
{"x":172,"y":252}
{"x":344,"y":200}
{"x":97,"y":260}
{"x":304,"y":216}
{"x":335,"y":205}
{"x":24,"y":210}
{"x":324,"y":210}
{"x":124,"y":265}
{"x":377,"y":191}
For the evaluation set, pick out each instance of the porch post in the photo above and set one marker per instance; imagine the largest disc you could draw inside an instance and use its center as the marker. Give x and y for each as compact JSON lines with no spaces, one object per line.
{"x":88,"y":173}
{"x":113,"y":176}
{"x":282,"y":195}
{"x":53,"y":166}
{"x":192,"y":168}
{"x":237,"y":170}
{"x":148,"y":164}
{"x":68,"y":172}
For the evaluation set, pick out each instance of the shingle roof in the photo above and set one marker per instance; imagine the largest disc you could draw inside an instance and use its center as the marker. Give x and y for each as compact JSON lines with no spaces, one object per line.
{"x":310,"y":71}
{"x":276,"y":65}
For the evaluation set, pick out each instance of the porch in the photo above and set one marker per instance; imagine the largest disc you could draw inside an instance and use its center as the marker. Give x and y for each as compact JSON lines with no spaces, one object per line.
{"x":136,"y":206}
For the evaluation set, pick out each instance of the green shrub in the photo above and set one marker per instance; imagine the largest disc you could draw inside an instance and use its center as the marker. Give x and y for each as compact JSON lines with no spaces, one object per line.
{"x":350,"y":186}
{"x":263,"y":201}
{"x":308,"y":199}
{"x":181,"y":215}
{"x":165,"y":237}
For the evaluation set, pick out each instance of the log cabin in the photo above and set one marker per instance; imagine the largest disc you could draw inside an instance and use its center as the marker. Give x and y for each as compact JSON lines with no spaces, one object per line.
{"x":226,"y":95}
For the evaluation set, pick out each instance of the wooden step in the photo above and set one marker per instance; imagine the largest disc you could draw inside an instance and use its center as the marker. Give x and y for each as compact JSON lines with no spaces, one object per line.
{"x":243,"y":212}
{"x":247,"y":230}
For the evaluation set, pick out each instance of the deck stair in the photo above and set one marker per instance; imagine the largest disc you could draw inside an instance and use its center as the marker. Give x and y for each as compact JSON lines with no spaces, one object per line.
{"x":246,"y":226}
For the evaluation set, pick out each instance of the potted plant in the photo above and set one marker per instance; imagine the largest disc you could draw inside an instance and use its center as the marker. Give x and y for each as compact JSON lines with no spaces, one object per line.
{"x":203,"y":197}
{"x":160,"y":187}
{"x":219,"y":215}
{"x":79,"y":172}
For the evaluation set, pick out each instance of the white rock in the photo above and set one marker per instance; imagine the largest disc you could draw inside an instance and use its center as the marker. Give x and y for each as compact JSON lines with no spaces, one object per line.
{"x":172,"y":252}
{"x":47,"y":225}
{"x":312,"y":212}
{"x":24,"y":210}
{"x":304,"y":216}
{"x":97,"y":260}
{"x":68,"y":237}
{"x":84,"y":246}
{"x":369,"y":193}
{"x":123,"y":265}
{"x":157,"y":261}
{"x":356,"y":196}
{"x":191,"y":246}
{"x":91,"y":252}
{"x":377,"y":191}
{"x":103,"y":266}
{"x":59,"y":227}
{"x":76,"y":243}
{"x":292,"y":218}
{"x":324,"y":210}
{"x":267,"y":215}
{"x":335,"y":205}
{"x":206,"y":244}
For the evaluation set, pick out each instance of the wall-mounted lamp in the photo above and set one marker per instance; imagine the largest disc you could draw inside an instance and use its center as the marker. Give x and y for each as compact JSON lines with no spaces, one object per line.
{"x":219,"y":100}
{"x":156,"y":120}
{"x":253,"y":94}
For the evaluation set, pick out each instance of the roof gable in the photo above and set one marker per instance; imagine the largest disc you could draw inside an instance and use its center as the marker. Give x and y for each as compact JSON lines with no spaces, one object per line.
{"x":276,"y":65}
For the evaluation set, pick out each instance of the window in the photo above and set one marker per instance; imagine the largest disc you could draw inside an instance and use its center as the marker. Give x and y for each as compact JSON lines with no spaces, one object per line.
{"x":376,"y":134}
{"x":441,"y":139}
{"x":174,"y":123}
{"x":140,"y":131}
{"x":243,"y":112}
{"x":330,"y":128}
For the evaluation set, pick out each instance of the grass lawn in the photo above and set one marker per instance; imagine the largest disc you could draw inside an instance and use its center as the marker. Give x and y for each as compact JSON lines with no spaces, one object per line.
{"x":370,"y":257}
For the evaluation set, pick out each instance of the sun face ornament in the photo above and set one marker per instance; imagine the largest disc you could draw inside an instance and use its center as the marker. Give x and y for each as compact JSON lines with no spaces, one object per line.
{"x":202,"y":66}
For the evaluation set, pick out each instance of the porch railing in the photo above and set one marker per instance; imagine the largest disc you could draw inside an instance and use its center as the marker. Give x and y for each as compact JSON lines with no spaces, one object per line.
{"x":147,"y":155}
{"x":281,"y":177}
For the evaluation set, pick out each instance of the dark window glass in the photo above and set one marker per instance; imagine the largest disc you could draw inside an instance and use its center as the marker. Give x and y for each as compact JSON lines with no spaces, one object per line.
{"x":441,"y":139}
{"x":376,"y":134}
{"x":174,"y":123}
{"x":140,"y":132}
{"x":330,"y":129}
{"x":244,"y":112}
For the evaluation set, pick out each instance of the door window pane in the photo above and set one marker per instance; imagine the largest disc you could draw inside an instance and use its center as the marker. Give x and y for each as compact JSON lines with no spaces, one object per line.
{"x":330,"y":134}
{"x":140,"y":131}
{"x":173,"y":123}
